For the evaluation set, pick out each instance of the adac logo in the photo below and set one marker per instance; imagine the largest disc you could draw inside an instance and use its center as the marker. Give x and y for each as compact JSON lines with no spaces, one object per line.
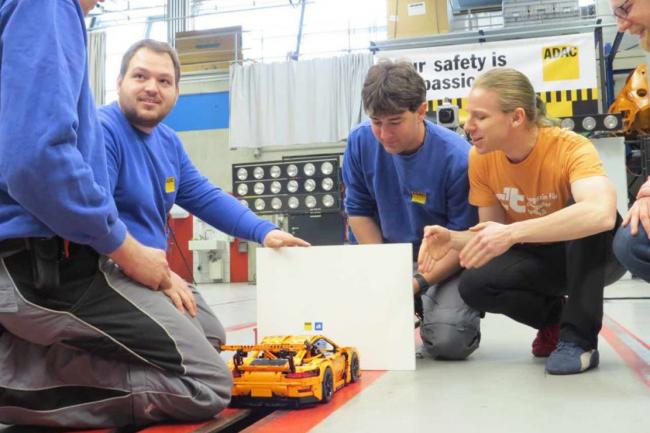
{"x":561,"y":62}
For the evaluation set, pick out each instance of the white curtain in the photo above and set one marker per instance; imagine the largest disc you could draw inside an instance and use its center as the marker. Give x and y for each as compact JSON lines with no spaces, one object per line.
{"x":289,"y":103}
{"x":97,"y":65}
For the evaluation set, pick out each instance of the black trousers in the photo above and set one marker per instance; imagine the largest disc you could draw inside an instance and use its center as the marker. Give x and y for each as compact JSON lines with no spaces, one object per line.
{"x":527,"y":284}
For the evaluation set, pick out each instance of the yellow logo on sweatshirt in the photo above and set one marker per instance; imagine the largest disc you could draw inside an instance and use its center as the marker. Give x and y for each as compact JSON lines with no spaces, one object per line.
{"x":419,"y":197}
{"x":170,"y":184}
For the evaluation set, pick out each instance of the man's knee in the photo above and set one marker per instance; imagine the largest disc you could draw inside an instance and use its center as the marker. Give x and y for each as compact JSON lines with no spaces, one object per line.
{"x":449,"y":341}
{"x":450,"y":328}
{"x":160,"y":396}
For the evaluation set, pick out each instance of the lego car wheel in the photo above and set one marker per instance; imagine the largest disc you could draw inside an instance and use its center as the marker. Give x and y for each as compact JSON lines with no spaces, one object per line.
{"x":328,"y":385}
{"x":354,"y":368}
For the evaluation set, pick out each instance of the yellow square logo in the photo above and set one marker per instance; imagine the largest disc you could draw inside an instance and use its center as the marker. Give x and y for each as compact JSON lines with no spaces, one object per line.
{"x":170,"y":184}
{"x":561,"y":62}
{"x":308,"y":326}
{"x":419,"y":197}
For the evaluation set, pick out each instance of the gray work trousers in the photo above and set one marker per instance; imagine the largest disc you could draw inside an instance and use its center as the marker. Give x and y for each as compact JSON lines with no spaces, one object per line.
{"x":120,"y":354}
{"x":450,"y":329}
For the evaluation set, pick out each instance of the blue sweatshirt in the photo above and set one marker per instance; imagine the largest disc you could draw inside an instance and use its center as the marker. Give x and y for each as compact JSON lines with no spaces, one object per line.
{"x":53,"y":177}
{"x":405,"y":193}
{"x":150,"y":172}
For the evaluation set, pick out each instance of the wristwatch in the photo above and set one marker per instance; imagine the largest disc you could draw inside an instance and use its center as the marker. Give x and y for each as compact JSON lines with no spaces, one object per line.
{"x":422,"y":282}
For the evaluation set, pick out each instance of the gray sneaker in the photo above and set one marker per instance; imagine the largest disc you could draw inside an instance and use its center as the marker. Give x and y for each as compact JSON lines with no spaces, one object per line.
{"x":569,"y":358}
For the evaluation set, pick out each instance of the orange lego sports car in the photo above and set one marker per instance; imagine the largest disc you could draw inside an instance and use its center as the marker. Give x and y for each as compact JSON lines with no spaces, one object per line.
{"x":290,"y":370}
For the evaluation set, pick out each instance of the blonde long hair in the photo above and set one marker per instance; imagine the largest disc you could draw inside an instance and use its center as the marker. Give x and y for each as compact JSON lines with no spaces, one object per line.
{"x":515,"y":90}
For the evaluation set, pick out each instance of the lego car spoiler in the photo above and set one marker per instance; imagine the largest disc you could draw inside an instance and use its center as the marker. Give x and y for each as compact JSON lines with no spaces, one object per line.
{"x":281,"y":358}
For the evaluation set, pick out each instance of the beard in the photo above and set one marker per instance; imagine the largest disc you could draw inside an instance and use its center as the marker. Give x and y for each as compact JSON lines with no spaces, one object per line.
{"x":147,"y":121}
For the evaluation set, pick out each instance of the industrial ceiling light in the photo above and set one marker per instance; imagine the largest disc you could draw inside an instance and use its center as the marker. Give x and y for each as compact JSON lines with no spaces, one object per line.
{"x":328,"y":200}
{"x":589,"y":123}
{"x":568,"y":123}
{"x":276,"y":187}
{"x":242,"y":189}
{"x":326,"y":168}
{"x":309,"y":169}
{"x":310,"y":185}
{"x":276,"y":203}
{"x":310,"y":201}
{"x":292,"y":186}
{"x":292,"y":170}
{"x":327,"y":184}
{"x":611,"y":122}
{"x":275,"y":171}
{"x":260,"y":204}
{"x":258,"y":173}
{"x":244,"y":202}
{"x":242,"y":174}
{"x":293,"y":202}
{"x":258,"y":188}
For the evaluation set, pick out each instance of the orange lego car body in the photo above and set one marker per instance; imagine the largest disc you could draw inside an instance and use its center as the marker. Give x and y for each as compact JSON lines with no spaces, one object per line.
{"x":290,"y":370}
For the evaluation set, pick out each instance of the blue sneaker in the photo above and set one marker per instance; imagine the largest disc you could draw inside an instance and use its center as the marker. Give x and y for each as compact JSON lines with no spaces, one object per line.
{"x":569,"y":358}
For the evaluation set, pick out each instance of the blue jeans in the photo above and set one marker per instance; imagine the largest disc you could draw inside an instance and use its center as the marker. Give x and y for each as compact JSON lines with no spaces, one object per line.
{"x":633,"y":251}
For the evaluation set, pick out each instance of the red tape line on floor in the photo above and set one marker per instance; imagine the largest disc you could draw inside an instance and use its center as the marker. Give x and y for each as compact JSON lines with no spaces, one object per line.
{"x":302,"y":420}
{"x":634,"y":351}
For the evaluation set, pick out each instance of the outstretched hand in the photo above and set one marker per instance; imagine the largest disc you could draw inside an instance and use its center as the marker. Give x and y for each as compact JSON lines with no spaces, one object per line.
{"x":436,"y":243}
{"x":278,"y":239}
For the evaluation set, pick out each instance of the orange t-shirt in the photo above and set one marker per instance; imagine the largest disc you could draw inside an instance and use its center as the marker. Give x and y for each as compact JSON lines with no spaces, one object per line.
{"x":538,"y":185}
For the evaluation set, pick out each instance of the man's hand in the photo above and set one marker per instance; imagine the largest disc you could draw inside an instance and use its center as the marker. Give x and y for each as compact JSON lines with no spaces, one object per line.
{"x":436,"y":243}
{"x":181,"y":295}
{"x":491,"y":240}
{"x":644,"y":191}
{"x":145,"y":265}
{"x":278,"y":239}
{"x":640,"y":211}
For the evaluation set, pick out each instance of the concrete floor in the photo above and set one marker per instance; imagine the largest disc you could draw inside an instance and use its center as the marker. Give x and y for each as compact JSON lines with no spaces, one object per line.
{"x":501,"y":387}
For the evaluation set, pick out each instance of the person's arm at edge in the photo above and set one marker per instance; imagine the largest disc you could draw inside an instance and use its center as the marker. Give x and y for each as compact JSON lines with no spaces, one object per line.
{"x":71,"y":204}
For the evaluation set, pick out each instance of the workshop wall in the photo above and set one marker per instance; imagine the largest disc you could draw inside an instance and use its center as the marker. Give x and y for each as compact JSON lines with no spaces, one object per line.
{"x":203,"y":128}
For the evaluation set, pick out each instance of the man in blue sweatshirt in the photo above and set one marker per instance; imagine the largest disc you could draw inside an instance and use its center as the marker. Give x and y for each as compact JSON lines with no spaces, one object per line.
{"x":150,"y":171}
{"x":401,"y":172}
{"x":81,"y":345}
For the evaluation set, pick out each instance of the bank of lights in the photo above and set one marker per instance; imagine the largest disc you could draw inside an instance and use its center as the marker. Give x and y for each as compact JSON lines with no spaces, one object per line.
{"x":295,"y":186}
{"x":593,"y":123}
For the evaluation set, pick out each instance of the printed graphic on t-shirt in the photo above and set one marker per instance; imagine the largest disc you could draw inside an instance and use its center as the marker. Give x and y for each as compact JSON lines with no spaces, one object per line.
{"x":536,"y":206}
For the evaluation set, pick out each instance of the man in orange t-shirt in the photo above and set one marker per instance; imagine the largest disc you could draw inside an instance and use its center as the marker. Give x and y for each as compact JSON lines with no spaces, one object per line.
{"x":547,"y":216}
